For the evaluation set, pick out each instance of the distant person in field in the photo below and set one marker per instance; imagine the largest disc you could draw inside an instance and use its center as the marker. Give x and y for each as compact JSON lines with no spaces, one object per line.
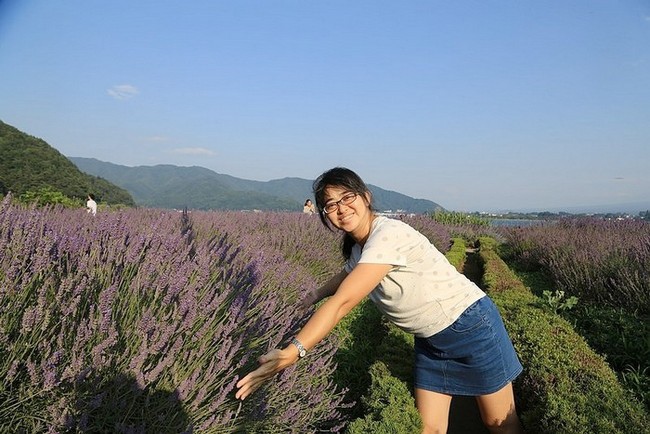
{"x":461,"y":344}
{"x":308,"y":207}
{"x":91,"y":205}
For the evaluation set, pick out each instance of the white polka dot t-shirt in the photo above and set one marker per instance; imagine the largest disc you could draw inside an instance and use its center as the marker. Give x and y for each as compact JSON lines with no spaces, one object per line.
{"x":423,"y":293}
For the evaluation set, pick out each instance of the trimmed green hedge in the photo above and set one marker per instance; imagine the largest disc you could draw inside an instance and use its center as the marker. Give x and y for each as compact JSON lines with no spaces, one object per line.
{"x":456,"y":254}
{"x":389,"y":404}
{"x":565,"y":386}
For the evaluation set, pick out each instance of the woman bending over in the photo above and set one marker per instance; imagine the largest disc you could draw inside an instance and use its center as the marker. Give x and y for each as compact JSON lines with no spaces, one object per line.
{"x":461,"y":344}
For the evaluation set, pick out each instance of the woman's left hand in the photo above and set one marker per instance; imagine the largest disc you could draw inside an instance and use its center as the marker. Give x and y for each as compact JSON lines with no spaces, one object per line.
{"x":270,"y":364}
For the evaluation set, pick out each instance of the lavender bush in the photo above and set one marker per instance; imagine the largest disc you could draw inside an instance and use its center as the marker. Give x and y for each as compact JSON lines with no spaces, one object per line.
{"x":601,"y":261}
{"x":143,"y":320}
{"x":437,"y":233}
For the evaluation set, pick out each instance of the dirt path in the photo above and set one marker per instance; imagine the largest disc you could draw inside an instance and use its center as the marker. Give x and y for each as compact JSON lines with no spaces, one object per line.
{"x":464,"y":415}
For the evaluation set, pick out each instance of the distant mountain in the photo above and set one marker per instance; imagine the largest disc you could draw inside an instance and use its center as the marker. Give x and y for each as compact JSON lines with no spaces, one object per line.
{"x":168,"y":186}
{"x":28,"y":164}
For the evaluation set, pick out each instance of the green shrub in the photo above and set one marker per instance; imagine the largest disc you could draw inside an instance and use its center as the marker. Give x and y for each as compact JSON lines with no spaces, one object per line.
{"x":456,"y":254}
{"x":459,"y":218}
{"x":390,"y":408}
{"x":360,"y":334}
{"x":565,"y":386}
{"x":49,"y":196}
{"x":396,"y":352}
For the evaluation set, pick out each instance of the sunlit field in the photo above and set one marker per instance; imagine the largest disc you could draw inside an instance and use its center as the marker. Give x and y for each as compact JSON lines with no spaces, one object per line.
{"x":142,"y":320}
{"x":603,"y":268}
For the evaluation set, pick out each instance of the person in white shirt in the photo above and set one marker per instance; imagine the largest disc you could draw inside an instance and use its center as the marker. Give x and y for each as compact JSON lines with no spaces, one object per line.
{"x":91,"y":205}
{"x":308,"y":207}
{"x":461,"y":345}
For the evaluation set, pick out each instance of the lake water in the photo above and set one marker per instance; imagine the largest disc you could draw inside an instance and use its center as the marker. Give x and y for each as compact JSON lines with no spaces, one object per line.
{"x":516,"y":222}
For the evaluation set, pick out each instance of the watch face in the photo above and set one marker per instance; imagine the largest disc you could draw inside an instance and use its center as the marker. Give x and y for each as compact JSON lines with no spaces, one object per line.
{"x":302,"y":353}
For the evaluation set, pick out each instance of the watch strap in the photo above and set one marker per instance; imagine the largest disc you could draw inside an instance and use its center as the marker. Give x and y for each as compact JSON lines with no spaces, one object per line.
{"x":301,"y":349}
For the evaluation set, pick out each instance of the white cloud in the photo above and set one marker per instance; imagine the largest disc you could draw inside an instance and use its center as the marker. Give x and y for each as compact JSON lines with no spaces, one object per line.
{"x":193,"y":151}
{"x":123,"y":91}
{"x":157,"y":139}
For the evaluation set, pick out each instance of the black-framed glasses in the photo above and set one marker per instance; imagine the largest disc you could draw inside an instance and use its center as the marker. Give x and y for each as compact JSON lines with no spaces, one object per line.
{"x":346,"y":199}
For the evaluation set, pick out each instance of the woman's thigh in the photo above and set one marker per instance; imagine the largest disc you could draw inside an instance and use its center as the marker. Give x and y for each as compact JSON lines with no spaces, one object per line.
{"x":498,"y":410}
{"x":434,"y":410}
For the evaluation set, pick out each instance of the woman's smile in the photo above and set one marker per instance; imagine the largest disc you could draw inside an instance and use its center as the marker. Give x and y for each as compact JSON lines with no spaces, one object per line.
{"x":353,"y":217}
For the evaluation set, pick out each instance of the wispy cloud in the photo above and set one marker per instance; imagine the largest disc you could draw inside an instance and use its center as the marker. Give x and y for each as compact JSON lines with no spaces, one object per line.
{"x":157,"y":139}
{"x":123,"y":91}
{"x":193,"y":151}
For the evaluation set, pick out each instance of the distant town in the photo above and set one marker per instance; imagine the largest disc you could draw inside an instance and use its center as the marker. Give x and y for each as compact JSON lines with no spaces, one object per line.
{"x":545,"y":215}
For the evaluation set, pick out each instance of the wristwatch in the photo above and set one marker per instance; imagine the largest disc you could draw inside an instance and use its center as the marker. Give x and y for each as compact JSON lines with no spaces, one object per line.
{"x":301,"y":350}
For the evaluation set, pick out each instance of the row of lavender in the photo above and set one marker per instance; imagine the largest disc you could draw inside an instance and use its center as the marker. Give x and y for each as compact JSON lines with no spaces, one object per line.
{"x":143,"y":320}
{"x":600,"y":261}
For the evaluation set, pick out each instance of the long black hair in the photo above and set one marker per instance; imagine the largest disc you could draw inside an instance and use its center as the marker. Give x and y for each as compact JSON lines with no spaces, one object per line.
{"x":343,"y":178}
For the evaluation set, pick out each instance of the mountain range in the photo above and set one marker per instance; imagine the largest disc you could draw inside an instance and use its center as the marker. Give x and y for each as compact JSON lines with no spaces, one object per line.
{"x":29,"y":165}
{"x":169,"y":186}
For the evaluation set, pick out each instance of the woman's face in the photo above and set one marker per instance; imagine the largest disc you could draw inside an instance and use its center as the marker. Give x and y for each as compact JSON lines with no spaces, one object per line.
{"x":353,"y":218}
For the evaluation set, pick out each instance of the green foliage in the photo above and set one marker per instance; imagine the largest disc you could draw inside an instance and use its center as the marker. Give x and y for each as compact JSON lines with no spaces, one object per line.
{"x":566,"y":387}
{"x":624,"y":338}
{"x":396,"y":352}
{"x":46,"y":195}
{"x":637,"y":379}
{"x":29,"y":164}
{"x":109,"y":193}
{"x":390,"y":408}
{"x":459,"y":218}
{"x":558,"y":302}
{"x":360,"y":332}
{"x":456,"y":254}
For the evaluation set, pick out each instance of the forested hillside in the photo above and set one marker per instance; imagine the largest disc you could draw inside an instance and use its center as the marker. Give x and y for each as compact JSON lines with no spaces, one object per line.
{"x":29,"y":164}
{"x":169,"y":186}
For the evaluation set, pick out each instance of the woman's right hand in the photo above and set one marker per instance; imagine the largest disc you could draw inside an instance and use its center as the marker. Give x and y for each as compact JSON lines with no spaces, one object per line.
{"x":270,"y":364}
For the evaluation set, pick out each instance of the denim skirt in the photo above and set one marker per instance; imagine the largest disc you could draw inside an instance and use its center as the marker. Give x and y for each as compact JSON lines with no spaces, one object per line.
{"x":473,"y":356}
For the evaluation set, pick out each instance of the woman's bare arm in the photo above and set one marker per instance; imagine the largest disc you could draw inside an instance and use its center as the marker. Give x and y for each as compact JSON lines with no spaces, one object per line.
{"x":353,"y":288}
{"x":324,"y":291}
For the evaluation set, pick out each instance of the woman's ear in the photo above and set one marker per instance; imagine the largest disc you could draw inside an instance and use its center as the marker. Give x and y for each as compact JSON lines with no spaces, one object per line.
{"x":368,"y":197}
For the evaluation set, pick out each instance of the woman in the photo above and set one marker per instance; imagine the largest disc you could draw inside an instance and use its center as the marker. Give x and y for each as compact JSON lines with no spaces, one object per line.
{"x":91,"y":205}
{"x":461,"y":345}
{"x":308,"y":207}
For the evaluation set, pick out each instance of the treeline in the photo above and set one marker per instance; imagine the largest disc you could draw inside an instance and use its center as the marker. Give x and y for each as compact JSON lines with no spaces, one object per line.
{"x":30,"y":168}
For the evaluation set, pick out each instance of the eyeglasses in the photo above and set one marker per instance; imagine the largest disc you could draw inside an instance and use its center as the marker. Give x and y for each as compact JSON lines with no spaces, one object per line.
{"x":347,"y":199}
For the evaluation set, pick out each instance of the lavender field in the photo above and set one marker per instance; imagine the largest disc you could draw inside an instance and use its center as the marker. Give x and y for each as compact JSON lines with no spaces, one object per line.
{"x":604,"y":265}
{"x":143,"y":320}
{"x":600,"y":261}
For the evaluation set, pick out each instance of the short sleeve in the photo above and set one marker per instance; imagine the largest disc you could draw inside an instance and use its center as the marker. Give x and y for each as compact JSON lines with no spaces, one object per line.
{"x":387,"y":244}
{"x":354,"y":258}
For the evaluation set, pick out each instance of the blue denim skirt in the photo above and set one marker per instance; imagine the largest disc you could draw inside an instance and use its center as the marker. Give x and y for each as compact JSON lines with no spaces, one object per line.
{"x":473,"y":356}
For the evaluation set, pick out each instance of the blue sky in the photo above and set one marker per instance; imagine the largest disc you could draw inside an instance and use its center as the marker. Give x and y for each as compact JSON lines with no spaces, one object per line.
{"x":476,"y":105}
